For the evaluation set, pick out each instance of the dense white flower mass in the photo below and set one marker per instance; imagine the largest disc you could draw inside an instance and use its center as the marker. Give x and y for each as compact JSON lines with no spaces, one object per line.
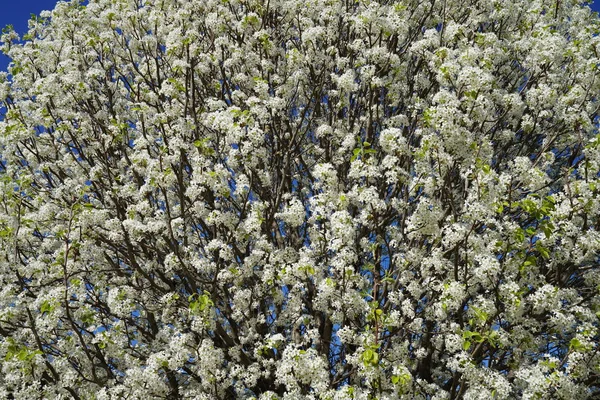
{"x":285,"y":199}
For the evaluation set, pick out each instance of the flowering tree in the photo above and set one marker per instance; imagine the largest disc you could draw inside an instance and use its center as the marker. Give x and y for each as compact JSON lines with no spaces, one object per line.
{"x":285,"y":199}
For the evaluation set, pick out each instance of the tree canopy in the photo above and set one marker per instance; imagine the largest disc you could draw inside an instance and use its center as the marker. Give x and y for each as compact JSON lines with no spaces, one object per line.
{"x":289,"y":199}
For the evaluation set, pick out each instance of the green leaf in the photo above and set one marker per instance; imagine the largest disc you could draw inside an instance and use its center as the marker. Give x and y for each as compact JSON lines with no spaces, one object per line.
{"x":5,"y":232}
{"x":203,"y":302}
{"x":466,"y":345}
{"x":88,"y":317}
{"x":370,"y":357}
{"x":519,"y":235}
{"x":375,"y":359}
{"x":576,"y":345}
{"x":477,"y":337}
{"x":542,"y":250}
{"x":46,"y":307}
{"x":547,"y":228}
{"x":23,"y":354}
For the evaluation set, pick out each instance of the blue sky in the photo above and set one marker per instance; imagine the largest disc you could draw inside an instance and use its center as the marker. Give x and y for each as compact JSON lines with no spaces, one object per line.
{"x":17,"y":13}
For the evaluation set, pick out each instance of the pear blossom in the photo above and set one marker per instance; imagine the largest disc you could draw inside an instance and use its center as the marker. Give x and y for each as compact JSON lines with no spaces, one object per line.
{"x":240,"y":199}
